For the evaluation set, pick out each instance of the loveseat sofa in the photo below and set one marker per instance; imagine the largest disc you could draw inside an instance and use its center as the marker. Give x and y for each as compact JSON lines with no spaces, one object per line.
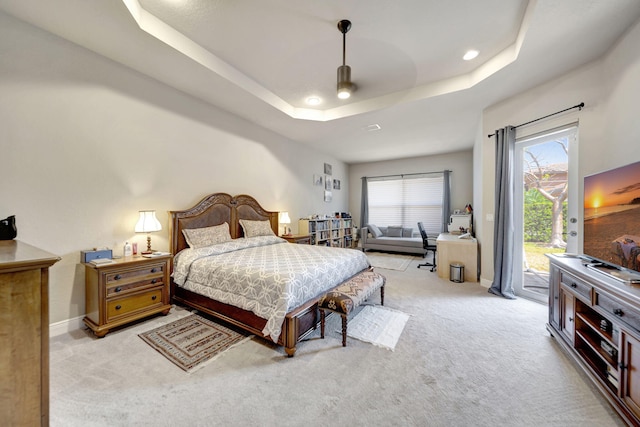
{"x":391,"y":239}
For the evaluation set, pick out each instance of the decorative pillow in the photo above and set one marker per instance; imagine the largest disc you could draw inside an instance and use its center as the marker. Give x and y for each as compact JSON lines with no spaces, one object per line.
{"x":407,"y":232}
{"x":394,"y":231}
{"x":256,"y":228}
{"x":375,"y":231}
{"x":207,"y":236}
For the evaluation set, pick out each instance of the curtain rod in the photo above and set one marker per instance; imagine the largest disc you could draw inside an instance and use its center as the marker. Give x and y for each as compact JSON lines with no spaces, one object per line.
{"x":402,"y":175}
{"x":579,"y":107}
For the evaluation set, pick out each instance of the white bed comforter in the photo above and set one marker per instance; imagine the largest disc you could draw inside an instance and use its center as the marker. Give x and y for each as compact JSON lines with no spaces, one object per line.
{"x":265,"y":275}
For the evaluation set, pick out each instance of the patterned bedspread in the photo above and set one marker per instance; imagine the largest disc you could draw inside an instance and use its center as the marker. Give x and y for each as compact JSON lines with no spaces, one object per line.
{"x":265,"y":275}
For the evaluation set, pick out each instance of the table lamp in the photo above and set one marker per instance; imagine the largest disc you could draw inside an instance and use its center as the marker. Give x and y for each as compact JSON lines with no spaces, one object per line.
{"x":284,"y":219}
{"x":146,"y":224}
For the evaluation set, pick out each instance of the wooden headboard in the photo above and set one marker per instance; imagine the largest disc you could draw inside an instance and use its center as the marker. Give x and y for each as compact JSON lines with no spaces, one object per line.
{"x":216,"y":209}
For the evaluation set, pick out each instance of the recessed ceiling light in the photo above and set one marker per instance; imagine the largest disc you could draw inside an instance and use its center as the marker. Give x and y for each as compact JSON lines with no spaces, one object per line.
{"x":372,"y":128}
{"x":313,"y":100}
{"x":470,"y":55}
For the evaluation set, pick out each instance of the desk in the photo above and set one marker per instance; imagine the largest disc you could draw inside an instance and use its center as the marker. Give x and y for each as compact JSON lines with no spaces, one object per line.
{"x":452,"y":249}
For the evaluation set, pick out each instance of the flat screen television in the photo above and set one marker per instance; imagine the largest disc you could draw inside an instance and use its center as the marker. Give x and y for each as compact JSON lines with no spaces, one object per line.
{"x":612,"y":221}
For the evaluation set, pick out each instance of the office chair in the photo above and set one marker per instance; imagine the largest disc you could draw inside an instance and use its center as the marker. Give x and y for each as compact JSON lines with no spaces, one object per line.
{"x":428,"y":243}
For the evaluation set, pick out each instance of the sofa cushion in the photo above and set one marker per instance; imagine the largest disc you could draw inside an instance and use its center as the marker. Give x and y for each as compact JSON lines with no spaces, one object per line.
{"x":407,"y":232}
{"x":410,"y":242}
{"x":394,"y":231}
{"x":375,"y":231}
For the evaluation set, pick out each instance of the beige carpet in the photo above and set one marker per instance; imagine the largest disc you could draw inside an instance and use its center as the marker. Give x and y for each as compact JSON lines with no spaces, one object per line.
{"x":389,"y":261}
{"x":193,"y":341}
{"x":465,"y":358}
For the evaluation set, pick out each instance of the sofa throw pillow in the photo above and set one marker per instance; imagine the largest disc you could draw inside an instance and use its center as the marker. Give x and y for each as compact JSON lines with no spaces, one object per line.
{"x":375,"y":231}
{"x":207,"y":236}
{"x":394,"y":231}
{"x":407,"y":232}
{"x":256,"y":228}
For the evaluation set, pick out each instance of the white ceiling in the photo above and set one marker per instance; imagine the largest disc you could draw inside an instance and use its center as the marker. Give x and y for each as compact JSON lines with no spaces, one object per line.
{"x":260,"y":59}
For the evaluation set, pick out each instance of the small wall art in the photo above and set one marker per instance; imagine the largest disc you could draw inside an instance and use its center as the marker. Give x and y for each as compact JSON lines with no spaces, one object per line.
{"x":336,"y":184}
{"x":327,"y":196}
{"x":327,"y":183}
{"x":317,"y":179}
{"x":327,"y":169}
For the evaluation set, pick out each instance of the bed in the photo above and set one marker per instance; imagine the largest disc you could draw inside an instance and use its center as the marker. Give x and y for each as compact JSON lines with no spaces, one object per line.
{"x":259,"y":283}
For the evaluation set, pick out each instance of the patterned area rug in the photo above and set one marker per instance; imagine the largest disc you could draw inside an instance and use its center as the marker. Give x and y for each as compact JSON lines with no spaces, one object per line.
{"x":192,"y":341}
{"x":387,"y":261}
{"x":378,"y":325}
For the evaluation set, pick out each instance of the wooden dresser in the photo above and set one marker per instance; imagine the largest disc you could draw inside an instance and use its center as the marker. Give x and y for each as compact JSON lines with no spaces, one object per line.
{"x":24,"y":334}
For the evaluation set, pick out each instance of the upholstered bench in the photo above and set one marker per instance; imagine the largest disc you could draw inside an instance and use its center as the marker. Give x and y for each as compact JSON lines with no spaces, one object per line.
{"x":349,"y":295}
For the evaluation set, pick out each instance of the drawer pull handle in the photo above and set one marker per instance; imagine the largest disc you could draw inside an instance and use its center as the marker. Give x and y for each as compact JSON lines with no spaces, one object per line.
{"x":154,"y":297}
{"x":153,"y":270}
{"x":118,"y":289}
{"x":574,"y":285}
{"x":154,"y":281}
{"x":618,"y":312}
{"x":118,"y":307}
{"x":117,"y":277}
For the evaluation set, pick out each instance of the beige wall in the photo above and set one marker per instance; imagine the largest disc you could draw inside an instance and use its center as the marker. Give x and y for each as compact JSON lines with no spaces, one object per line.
{"x":460,"y":163}
{"x":609,"y":129}
{"x":85,"y":143}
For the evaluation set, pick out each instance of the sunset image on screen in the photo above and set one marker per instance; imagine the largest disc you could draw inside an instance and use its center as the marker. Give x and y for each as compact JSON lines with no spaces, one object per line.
{"x":614,"y":188}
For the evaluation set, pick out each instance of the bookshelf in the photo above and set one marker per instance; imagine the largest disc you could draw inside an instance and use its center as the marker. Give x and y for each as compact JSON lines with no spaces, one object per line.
{"x":335,"y":232}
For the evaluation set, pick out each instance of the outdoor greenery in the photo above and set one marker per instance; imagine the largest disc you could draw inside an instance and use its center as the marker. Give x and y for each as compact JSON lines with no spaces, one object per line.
{"x":537,"y":230}
{"x":535,"y":255}
{"x":537,"y":217}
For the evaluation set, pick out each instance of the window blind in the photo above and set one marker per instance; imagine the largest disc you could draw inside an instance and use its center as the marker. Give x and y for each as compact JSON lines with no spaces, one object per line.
{"x":405,"y":201}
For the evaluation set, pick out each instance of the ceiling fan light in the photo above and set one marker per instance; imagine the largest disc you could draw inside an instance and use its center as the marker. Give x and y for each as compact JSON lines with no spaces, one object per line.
{"x":345,"y":87}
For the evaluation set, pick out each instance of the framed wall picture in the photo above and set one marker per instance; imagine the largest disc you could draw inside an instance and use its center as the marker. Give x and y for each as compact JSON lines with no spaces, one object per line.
{"x":317,"y":179}
{"x":336,"y":184}
{"x":327,"y":169}
{"x":327,"y":196}
{"x":327,"y":183}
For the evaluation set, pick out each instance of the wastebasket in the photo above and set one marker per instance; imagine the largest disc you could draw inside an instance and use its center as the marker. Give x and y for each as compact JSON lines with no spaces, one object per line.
{"x":456,"y":272}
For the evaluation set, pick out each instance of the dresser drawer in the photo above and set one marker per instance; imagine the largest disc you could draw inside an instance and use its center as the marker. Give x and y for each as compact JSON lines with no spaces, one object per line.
{"x":115,"y":290}
{"x":620,"y":310}
{"x":122,"y":306}
{"x":134,"y":274}
{"x":577,"y":286}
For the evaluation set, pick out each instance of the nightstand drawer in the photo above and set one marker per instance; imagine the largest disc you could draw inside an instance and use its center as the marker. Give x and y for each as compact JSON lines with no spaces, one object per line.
{"x":122,"y":306}
{"x":127,"y":276}
{"x":116,"y":290}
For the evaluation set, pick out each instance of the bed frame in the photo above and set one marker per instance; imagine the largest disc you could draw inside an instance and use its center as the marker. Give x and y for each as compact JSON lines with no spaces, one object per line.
{"x":217,"y":209}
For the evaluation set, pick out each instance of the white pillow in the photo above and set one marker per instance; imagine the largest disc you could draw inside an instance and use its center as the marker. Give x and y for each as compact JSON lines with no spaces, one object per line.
{"x":207,"y":236}
{"x":256,"y":228}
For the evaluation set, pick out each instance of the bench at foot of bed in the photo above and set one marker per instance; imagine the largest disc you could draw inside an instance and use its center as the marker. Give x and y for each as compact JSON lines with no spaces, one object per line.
{"x":346,"y":297}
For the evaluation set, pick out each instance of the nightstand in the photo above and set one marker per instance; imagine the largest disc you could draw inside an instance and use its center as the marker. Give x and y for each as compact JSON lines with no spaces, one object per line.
{"x":126,"y":290}
{"x":302,"y":239}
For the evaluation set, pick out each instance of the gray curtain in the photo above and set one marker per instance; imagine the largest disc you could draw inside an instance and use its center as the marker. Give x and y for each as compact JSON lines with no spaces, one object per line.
{"x":446,"y":201}
{"x":503,"y":216}
{"x":364,"y":203}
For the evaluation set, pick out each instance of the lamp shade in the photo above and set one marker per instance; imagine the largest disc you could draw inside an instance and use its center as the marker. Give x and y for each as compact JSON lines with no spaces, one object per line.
{"x":284,"y":218}
{"x":148,"y":222}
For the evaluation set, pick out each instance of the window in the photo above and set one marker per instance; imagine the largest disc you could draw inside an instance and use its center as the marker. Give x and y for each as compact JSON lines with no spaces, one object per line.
{"x":406,"y":201}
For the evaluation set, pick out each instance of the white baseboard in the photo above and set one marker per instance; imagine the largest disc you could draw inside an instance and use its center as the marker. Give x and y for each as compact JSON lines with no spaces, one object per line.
{"x":486,"y":283}
{"x":65,"y":326}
